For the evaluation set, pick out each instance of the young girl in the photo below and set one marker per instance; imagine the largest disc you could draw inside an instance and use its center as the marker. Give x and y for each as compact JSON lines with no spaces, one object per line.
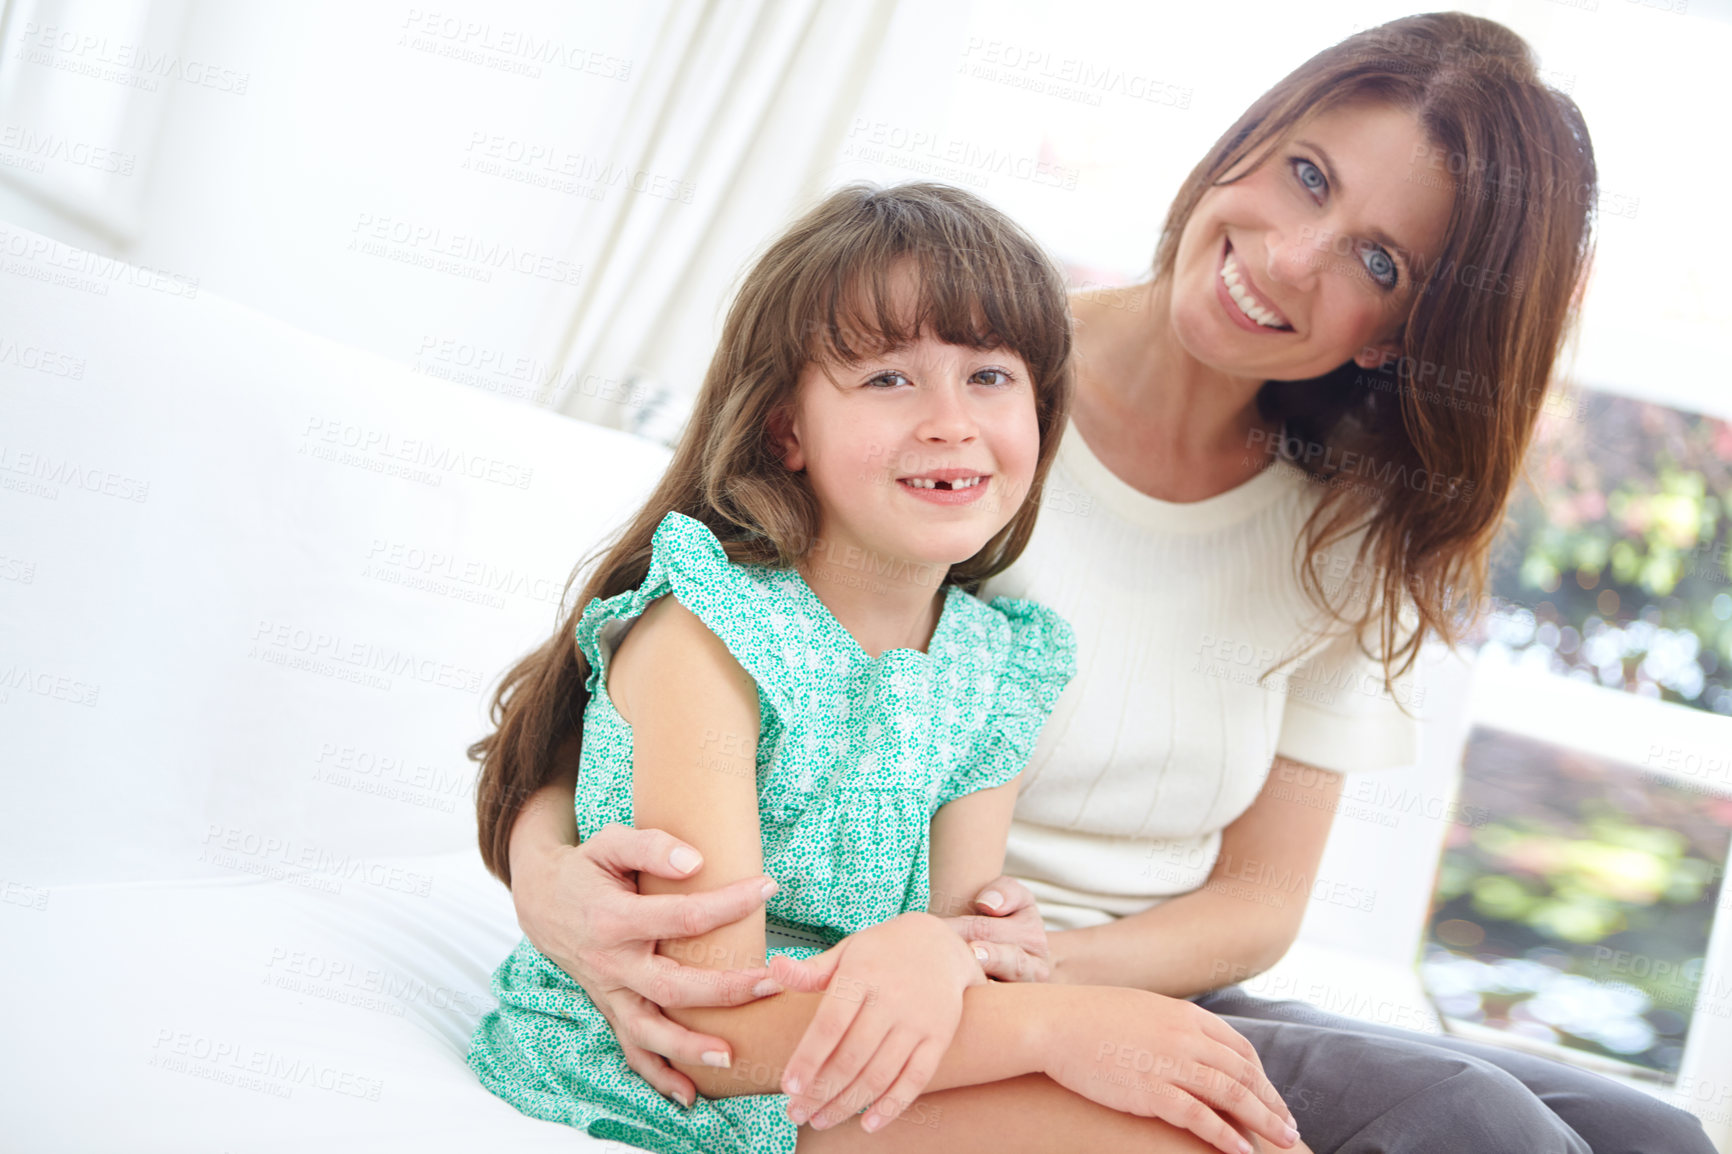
{"x":780,"y":662}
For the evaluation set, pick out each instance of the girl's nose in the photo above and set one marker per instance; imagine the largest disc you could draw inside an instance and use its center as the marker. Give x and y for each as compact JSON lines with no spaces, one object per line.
{"x":946,"y":416}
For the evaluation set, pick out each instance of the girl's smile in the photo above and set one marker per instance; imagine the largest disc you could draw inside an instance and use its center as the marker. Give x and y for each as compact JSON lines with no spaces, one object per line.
{"x":946,"y":486}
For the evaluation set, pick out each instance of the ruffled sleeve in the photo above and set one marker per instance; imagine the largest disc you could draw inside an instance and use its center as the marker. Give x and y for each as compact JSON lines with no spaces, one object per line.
{"x":1036,"y":661}
{"x":733,"y":601}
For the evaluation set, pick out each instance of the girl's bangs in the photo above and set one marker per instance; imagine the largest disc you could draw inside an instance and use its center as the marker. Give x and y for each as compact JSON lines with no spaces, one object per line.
{"x":880,"y":301}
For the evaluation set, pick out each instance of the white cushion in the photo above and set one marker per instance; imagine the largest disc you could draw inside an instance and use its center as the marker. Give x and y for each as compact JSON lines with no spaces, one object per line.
{"x":197,"y":825}
{"x":238,"y":1013}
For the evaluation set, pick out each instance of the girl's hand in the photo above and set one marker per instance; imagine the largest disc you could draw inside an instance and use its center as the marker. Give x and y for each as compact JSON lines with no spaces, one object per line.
{"x":895,"y":999}
{"x":580,"y":906}
{"x":1008,"y":930}
{"x":1142,"y":1053}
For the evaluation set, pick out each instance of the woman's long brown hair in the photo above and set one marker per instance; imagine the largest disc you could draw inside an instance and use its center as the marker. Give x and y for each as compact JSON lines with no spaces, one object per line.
{"x":1489,"y":320}
{"x":822,"y":292}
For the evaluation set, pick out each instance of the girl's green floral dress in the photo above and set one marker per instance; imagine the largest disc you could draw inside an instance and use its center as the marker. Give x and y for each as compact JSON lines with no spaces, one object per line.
{"x":855,"y":755}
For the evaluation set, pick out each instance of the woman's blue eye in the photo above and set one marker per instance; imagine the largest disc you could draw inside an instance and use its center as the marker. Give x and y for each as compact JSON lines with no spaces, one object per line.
{"x":1310,"y":175}
{"x":1381,"y":267}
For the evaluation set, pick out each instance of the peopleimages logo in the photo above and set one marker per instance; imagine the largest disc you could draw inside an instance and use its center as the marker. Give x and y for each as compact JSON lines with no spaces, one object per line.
{"x":424,"y":244}
{"x":381,"y":450}
{"x":40,"y":147}
{"x":453,"y":575}
{"x":505,"y":48}
{"x":134,"y":65}
{"x":286,"y":859}
{"x":42,"y":474}
{"x":43,"y":683}
{"x":36,"y":359}
{"x":248,"y":1067}
{"x":276,"y":642}
{"x":956,"y":159}
{"x":41,"y":254}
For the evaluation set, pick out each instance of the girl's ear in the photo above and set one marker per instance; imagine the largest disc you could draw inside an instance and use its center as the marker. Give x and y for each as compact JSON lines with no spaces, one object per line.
{"x":784,"y":440}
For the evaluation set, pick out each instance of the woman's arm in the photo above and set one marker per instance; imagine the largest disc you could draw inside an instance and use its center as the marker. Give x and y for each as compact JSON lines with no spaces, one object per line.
{"x":547,"y":823}
{"x":1238,"y":923}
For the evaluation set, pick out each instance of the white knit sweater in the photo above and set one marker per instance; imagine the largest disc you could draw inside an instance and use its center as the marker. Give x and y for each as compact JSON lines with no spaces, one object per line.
{"x":1165,"y":736}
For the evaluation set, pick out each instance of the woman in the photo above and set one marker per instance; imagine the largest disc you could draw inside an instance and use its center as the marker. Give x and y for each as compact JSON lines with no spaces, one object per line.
{"x":1260,"y":462}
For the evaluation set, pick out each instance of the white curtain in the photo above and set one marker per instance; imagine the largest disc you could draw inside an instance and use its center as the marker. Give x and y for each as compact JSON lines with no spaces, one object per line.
{"x":735,"y":122}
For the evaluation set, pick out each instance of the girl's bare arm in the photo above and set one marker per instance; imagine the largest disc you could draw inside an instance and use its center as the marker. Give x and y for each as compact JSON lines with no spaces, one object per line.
{"x":968,"y":840}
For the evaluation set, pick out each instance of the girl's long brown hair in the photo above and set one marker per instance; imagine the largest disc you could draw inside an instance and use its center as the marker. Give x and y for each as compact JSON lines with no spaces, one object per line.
{"x":822,"y":292}
{"x":1489,"y":320}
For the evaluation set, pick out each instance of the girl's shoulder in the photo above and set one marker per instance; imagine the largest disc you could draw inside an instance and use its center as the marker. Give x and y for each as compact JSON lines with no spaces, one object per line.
{"x":746,"y":606}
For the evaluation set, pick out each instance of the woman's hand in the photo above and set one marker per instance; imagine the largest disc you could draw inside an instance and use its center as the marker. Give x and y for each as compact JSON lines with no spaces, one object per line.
{"x":1154,"y":1056}
{"x":580,"y":906}
{"x":893,"y":1005}
{"x":1007,"y":934}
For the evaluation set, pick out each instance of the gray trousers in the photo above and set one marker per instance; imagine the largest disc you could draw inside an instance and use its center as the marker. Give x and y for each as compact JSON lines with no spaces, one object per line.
{"x":1360,"y":1088}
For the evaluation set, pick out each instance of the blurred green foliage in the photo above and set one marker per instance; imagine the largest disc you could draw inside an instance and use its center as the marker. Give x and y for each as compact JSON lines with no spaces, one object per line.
{"x":1595,"y":885}
{"x":1627,"y":521}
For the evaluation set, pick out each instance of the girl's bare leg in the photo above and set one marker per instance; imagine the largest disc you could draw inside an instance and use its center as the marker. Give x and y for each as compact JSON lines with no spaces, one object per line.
{"x":1027,"y":1115}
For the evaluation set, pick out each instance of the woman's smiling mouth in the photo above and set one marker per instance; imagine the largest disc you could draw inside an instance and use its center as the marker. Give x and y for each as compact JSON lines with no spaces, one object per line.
{"x":1247,"y":305}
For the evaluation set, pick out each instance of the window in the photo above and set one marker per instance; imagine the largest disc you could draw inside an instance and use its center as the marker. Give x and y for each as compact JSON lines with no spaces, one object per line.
{"x":1583,"y":911}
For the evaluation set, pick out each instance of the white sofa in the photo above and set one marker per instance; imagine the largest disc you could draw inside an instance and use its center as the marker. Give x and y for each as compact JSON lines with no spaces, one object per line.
{"x":253,"y":587}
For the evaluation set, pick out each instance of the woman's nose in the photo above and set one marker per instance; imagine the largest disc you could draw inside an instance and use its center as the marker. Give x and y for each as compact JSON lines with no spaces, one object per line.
{"x":1294,"y":256}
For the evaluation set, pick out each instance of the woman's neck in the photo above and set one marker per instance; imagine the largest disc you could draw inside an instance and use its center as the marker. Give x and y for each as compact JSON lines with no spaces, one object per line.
{"x":1147,"y":378}
{"x":1165,"y":422}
